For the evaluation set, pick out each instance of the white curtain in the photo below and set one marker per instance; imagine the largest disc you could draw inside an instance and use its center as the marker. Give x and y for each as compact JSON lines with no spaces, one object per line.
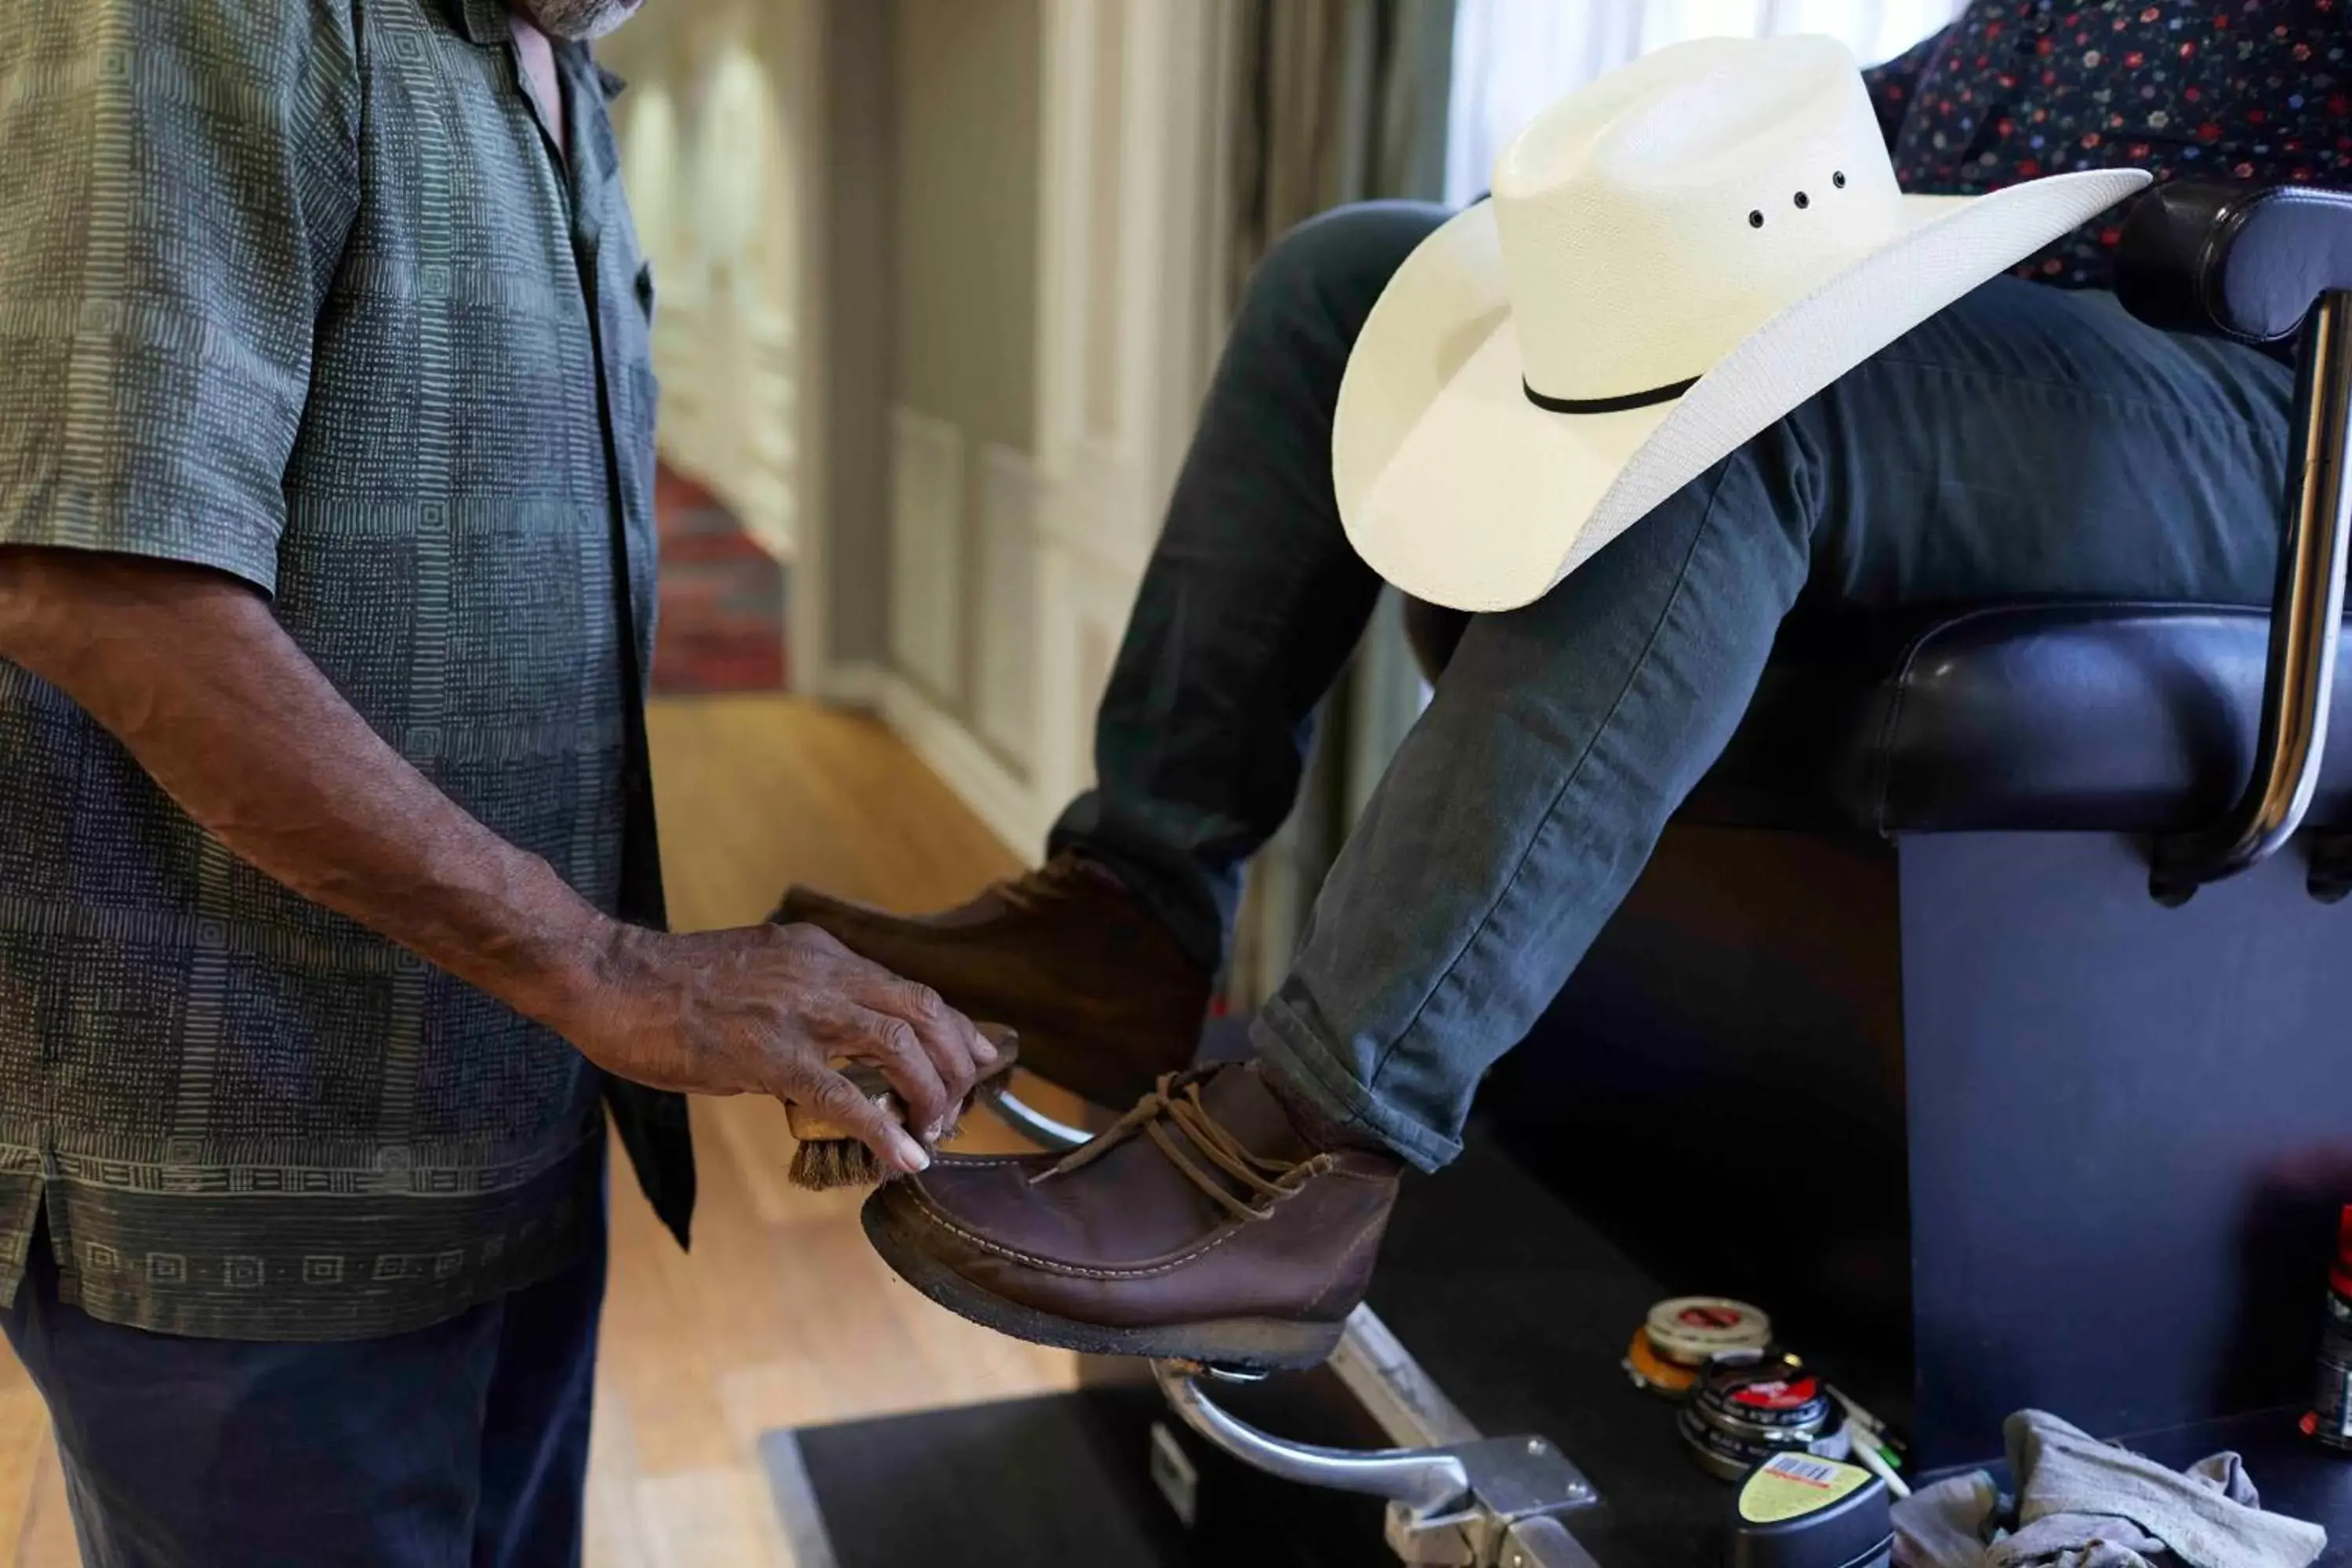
{"x":1512,"y":58}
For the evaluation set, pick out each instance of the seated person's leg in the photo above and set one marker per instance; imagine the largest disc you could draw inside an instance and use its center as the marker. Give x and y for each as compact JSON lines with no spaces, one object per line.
{"x":2027,"y":442}
{"x":1251,"y":604}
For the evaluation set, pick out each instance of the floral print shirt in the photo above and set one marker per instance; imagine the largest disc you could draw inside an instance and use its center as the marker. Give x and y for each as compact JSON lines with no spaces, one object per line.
{"x":2252,"y":90}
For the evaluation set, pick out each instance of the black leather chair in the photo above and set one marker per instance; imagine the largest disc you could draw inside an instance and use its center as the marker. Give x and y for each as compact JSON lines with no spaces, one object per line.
{"x":1977,"y":997}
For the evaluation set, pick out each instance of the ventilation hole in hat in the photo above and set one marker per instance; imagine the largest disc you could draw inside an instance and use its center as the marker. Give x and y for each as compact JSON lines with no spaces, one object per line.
{"x":1838,"y":179}
{"x":1804,"y":200}
{"x":1756,"y":220}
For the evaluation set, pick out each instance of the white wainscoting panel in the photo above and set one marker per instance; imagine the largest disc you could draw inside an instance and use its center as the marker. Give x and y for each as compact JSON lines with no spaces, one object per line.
{"x":1083,"y":607}
{"x":1132,"y":237}
{"x":927,"y":551}
{"x":859,"y":686}
{"x":1008,"y":803}
{"x":1004,"y":694}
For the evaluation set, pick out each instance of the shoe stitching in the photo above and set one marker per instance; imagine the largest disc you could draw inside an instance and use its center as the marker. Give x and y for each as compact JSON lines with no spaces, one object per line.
{"x":1049,"y":1266}
{"x":931,"y":1211}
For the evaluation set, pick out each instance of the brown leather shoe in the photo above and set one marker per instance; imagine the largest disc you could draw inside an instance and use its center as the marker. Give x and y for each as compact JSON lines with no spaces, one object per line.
{"x":1103,"y":1000}
{"x":1207,"y":1225}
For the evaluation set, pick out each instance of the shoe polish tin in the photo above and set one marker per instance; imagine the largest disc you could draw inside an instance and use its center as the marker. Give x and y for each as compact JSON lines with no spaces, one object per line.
{"x":1752,"y":1405}
{"x":1652,"y":1373}
{"x":1689,"y":1330}
{"x":1729,"y":1455}
{"x":1756,"y":1390}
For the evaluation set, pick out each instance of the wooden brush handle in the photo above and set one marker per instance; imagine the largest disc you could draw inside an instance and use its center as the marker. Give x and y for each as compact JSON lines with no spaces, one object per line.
{"x":810,"y":1125}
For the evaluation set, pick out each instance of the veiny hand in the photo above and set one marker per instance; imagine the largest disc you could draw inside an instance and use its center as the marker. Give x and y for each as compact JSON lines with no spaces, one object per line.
{"x":766,"y":1010}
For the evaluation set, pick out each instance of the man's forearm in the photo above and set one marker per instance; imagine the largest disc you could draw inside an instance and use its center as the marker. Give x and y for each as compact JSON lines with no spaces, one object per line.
{"x":195,"y":676}
{"x":192,"y":672}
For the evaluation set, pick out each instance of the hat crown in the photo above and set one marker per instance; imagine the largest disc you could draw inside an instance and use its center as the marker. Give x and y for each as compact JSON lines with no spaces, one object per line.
{"x":1654,"y":219}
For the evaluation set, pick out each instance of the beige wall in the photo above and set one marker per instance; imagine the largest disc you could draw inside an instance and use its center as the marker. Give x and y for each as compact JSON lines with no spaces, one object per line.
{"x":964,"y":110}
{"x":853,"y":163}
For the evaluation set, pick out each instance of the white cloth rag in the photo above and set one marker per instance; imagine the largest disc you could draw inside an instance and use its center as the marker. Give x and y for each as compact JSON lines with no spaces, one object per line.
{"x":2082,"y":1503}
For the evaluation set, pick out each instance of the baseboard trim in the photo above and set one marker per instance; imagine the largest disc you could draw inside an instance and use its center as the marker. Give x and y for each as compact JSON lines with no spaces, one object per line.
{"x":1002,"y":799}
{"x":857,"y":685}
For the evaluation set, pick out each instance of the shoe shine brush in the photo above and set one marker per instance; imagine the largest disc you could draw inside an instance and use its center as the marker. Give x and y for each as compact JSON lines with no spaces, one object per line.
{"x":830,"y":1156}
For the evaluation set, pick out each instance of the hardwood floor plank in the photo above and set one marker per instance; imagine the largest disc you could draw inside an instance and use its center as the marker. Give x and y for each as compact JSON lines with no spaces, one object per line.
{"x":24,"y":1439}
{"x":615,"y":1534}
{"x":48,"y":1540}
{"x":709,"y":1517}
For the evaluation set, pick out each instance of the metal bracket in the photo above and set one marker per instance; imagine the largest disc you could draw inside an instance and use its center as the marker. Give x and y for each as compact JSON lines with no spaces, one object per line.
{"x":1472,"y":1539}
{"x":1056,"y":1137}
{"x":1543,"y":1542}
{"x":1467,"y":1503}
{"x":2306,"y":615}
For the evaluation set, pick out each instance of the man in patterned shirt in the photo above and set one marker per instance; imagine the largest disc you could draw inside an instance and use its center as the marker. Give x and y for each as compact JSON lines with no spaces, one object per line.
{"x":2030,"y":441}
{"x":329,"y":900}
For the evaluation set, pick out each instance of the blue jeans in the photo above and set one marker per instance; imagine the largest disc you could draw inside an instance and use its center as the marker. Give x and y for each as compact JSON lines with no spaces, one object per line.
{"x":460,"y":1445}
{"x":2026,"y":443}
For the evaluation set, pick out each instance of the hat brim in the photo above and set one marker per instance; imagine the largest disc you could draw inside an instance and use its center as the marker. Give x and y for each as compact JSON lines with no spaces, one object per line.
{"x":1456,"y":487}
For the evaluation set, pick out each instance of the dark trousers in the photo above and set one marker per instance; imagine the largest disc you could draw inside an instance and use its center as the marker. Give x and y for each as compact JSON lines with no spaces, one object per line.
{"x":464,"y":1444}
{"x":2026,"y":443}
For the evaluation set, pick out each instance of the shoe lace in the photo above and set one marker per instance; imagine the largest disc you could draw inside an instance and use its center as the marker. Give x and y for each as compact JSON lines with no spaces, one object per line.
{"x":1176,"y":1104}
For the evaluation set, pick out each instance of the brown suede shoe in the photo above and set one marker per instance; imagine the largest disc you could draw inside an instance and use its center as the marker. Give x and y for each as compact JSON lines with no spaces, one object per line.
{"x":1207,"y":1225}
{"x":1103,"y":999}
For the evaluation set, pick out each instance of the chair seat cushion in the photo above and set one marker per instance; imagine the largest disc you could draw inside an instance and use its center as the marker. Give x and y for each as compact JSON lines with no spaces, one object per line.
{"x":2029,"y":717}
{"x":2101,"y":718}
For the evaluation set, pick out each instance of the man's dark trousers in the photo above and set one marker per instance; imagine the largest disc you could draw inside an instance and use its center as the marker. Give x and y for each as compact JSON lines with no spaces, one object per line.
{"x":460,"y":1445}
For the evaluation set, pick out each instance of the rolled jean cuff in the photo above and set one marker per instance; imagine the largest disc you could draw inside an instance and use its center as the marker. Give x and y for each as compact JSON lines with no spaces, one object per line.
{"x":1285,"y":1042}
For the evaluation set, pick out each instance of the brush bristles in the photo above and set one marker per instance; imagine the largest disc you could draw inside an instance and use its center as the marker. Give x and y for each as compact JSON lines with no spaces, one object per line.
{"x":823,"y":1165}
{"x":827,"y":1158}
{"x":830,"y":1162}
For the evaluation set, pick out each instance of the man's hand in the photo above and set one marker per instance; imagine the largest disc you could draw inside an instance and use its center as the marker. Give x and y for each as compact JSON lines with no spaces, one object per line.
{"x":768,"y":1010}
{"x":193,"y":674}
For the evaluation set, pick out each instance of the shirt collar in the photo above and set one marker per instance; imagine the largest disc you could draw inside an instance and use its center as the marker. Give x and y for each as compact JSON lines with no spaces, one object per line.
{"x":481,"y":21}
{"x":488,"y":21}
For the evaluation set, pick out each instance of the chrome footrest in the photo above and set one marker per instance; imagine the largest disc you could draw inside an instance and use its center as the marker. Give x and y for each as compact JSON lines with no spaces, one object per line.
{"x":1457,"y":1500}
{"x":1056,"y":1137}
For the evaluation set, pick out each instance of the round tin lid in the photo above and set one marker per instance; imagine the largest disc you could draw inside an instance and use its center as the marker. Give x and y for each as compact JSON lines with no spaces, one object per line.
{"x":1691,"y":1329}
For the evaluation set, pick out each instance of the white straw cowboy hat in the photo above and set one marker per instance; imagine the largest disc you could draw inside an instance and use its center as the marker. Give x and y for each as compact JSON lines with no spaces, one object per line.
{"x":1674,"y":257}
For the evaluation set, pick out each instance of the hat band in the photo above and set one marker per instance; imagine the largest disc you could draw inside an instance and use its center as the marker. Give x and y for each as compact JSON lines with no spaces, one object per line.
{"x":1666,"y":393}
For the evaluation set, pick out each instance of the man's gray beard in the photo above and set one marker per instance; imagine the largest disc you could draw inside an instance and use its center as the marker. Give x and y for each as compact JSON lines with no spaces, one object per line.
{"x":578,"y":19}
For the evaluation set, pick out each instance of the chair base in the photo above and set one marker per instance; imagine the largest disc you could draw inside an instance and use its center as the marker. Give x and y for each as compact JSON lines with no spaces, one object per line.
{"x":1978,"y":1103}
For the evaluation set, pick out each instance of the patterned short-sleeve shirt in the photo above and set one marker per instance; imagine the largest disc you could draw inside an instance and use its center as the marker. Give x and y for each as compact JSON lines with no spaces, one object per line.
{"x":305,"y":293}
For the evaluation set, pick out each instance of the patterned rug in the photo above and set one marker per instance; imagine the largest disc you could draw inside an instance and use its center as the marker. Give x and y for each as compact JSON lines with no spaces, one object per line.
{"x":722,"y":598}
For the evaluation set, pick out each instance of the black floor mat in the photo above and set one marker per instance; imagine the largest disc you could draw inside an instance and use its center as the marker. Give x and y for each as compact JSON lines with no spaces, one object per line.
{"x":990,"y":1486}
{"x":1061,"y":1479}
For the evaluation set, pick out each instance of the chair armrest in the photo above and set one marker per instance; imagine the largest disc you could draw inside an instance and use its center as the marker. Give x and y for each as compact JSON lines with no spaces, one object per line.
{"x":2235,"y":262}
{"x":2255,"y":265}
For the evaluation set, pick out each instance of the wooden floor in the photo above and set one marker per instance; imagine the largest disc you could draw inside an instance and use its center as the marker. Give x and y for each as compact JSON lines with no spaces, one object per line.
{"x":782,"y":1316}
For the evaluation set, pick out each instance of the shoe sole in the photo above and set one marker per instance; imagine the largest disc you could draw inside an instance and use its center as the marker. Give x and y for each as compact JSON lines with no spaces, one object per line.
{"x":1240,"y":1344}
